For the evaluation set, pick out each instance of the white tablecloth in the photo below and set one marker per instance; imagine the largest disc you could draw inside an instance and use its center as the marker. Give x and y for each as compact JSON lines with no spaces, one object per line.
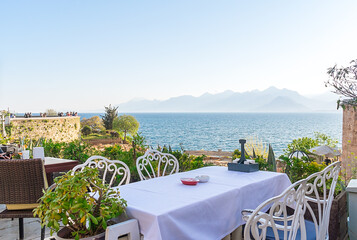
{"x":52,"y":160}
{"x":168,"y":210}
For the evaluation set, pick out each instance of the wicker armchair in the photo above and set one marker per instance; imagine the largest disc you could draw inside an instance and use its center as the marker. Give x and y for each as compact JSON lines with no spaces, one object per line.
{"x":21,"y":184}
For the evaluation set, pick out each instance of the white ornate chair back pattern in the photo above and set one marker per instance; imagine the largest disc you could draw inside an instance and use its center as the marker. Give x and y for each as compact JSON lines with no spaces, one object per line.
{"x":317,"y":194}
{"x":165,"y":164}
{"x":285,"y":211}
{"x":110,"y":169}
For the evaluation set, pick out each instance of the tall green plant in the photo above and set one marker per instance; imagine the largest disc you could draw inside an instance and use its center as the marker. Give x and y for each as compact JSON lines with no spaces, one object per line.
{"x":53,"y":149}
{"x":111,"y":113}
{"x":271,"y":159}
{"x":73,"y":205}
{"x":115,"y":152}
{"x":78,"y":150}
{"x":126,"y":124}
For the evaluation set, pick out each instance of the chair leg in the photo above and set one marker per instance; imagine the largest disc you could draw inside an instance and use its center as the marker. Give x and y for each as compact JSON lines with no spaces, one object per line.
{"x":21,"y":228}
{"x":43,"y":233}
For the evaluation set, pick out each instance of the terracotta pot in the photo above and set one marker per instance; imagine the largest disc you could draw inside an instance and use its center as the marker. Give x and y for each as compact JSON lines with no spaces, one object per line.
{"x":64,"y":233}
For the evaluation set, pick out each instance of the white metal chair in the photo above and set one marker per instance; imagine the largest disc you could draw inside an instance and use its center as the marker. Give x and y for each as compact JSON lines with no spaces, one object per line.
{"x":110,"y":168}
{"x":277,"y":223}
{"x":282,"y":220}
{"x":319,"y":195}
{"x":165,"y":164}
{"x":127,"y":230}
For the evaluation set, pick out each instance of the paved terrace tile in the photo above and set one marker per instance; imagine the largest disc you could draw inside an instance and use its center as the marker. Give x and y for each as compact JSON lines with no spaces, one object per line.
{"x":9,"y":229}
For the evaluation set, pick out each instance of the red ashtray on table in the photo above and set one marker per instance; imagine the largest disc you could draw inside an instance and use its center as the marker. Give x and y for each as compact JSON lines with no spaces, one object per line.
{"x":189,"y":181}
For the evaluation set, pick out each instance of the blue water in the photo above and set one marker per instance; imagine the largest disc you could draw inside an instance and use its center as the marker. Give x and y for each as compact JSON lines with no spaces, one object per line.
{"x":212,"y":131}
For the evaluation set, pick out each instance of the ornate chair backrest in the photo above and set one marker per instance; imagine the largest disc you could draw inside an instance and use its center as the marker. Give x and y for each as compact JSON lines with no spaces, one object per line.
{"x":155,"y":164}
{"x":320,"y":198}
{"x":284,"y":214}
{"x":109,"y":169}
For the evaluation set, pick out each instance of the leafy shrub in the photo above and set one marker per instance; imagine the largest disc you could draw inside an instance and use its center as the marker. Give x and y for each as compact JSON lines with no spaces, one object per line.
{"x":115,"y":152}
{"x":86,"y":130}
{"x":94,"y":122}
{"x":53,"y":149}
{"x":189,"y":162}
{"x":305,"y":144}
{"x":114,"y":134}
{"x":78,"y":150}
{"x":298,"y":169}
{"x":126,"y":124}
{"x":72,"y":204}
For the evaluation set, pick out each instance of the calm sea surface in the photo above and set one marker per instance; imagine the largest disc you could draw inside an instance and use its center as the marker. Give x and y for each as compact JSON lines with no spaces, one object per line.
{"x":212,"y":131}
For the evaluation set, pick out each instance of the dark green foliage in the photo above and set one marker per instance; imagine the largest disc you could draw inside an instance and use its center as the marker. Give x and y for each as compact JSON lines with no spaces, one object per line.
{"x":8,"y":129}
{"x":86,"y":130}
{"x":114,"y":134}
{"x":77,"y":150}
{"x":126,"y":124}
{"x":271,"y":159}
{"x":189,"y":162}
{"x":71,"y":204}
{"x":237,"y":154}
{"x":116,"y":153}
{"x":94,"y":122}
{"x":306,"y":143}
{"x":139,"y":141}
{"x":53,"y":149}
{"x":111,"y":113}
{"x":298,"y":169}
{"x":301,"y":144}
{"x":254,"y":155}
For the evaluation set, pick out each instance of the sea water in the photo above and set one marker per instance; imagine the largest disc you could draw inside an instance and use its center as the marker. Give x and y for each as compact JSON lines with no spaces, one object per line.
{"x":213,"y":131}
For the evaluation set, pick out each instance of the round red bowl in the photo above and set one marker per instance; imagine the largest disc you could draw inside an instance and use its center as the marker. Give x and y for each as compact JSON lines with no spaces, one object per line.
{"x":189,"y":181}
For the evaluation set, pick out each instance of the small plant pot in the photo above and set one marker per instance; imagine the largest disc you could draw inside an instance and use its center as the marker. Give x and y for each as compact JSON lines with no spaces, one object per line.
{"x":65,"y":234}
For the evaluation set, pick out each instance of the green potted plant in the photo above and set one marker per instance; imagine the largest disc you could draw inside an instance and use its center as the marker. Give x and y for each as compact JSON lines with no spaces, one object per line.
{"x":82,"y":203}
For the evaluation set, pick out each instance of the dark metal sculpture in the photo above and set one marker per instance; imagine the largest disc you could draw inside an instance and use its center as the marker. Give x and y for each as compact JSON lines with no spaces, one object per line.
{"x":242,"y":151}
{"x":241,"y":166}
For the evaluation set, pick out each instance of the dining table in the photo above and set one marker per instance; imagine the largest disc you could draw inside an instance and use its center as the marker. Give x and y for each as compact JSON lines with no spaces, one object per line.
{"x":57,"y":165}
{"x":167,"y":209}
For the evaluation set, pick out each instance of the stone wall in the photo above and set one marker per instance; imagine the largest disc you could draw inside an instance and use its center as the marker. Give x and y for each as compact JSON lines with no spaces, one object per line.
{"x":59,"y":129}
{"x":349,"y":140}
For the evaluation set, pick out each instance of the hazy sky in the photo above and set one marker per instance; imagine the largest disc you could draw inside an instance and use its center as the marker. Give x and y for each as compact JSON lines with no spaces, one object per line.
{"x":82,"y":55}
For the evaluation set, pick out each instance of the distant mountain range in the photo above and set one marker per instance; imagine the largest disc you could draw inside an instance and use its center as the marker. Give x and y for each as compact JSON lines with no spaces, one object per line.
{"x":269,"y":100}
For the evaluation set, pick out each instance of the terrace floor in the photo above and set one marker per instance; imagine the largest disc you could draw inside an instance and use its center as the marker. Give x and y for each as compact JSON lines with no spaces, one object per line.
{"x":9,"y":229}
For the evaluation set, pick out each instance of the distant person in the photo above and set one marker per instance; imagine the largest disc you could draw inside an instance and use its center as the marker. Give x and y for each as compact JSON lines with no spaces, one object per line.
{"x":327,"y":161}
